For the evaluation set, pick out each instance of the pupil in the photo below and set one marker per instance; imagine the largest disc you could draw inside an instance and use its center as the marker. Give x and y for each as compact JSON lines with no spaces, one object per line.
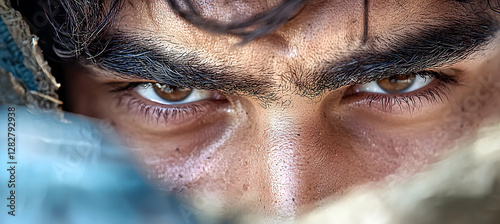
{"x":171,"y":93}
{"x":397,"y":83}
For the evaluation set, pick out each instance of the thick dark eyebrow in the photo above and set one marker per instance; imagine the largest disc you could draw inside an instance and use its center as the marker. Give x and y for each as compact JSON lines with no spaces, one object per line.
{"x":132,"y":56}
{"x":429,"y":45}
{"x":444,"y":42}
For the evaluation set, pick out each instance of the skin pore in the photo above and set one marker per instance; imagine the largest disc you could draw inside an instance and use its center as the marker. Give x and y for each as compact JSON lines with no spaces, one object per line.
{"x":288,"y":119}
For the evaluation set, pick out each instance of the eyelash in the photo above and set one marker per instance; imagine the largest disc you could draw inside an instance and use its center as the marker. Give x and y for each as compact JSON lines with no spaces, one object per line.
{"x":161,"y":113}
{"x":434,"y":93}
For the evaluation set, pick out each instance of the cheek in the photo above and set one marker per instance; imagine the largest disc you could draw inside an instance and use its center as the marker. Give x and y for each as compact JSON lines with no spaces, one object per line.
{"x":397,"y":151}
{"x":181,"y":158}
{"x":201,"y":158}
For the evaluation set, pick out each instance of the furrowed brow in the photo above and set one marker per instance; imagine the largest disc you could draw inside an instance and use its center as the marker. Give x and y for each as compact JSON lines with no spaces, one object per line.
{"x":431,"y":46}
{"x":127,"y":56}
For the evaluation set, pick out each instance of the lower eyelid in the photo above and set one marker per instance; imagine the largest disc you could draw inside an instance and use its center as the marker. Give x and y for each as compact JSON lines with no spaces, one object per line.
{"x":162,"y":113}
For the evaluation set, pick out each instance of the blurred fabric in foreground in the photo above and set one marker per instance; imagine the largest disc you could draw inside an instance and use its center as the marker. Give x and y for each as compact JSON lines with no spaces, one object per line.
{"x":71,"y":172}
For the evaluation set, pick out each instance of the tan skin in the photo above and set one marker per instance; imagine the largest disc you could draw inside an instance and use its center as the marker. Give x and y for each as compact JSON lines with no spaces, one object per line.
{"x":284,"y":157}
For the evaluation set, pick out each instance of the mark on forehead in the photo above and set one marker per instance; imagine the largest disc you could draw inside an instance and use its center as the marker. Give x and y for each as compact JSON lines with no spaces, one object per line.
{"x":365,"y":21}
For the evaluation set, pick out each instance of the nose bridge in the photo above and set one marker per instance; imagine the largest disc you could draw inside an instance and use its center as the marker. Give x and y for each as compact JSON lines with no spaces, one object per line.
{"x":292,"y":144}
{"x":282,"y":162}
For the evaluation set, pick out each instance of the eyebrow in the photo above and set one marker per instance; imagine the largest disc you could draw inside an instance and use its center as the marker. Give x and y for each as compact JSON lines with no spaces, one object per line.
{"x":430,"y":46}
{"x":131,"y":56}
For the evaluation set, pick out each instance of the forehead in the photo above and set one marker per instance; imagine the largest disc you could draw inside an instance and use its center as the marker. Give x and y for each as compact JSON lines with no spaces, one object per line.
{"x":321,"y":29}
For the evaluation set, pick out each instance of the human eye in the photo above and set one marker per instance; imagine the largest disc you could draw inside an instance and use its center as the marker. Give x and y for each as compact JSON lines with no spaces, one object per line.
{"x":171,"y":95}
{"x":163,"y":105}
{"x":398,"y":84}
{"x":405,"y":92}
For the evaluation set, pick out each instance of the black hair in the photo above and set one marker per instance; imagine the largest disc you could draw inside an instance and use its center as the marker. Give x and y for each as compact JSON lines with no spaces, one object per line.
{"x":80,"y":26}
{"x":262,"y":24}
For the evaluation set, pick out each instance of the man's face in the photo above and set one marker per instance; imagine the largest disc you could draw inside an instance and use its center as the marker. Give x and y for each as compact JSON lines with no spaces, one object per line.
{"x":344,"y":94}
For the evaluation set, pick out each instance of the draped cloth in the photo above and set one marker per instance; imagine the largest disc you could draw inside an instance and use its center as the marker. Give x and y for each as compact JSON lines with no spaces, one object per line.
{"x":25,"y":77}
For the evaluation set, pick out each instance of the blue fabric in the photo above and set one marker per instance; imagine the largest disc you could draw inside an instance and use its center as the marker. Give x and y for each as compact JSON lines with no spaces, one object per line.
{"x":11,"y":58}
{"x":73,"y":172}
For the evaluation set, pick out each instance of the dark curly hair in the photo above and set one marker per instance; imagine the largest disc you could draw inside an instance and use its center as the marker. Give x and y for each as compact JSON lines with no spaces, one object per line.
{"x":263,"y":23}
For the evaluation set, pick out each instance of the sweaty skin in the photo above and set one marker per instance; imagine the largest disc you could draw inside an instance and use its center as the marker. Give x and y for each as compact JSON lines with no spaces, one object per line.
{"x":282,"y":155}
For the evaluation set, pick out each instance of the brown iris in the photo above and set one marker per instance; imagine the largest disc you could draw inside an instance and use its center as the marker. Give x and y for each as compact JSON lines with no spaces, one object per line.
{"x":171,"y":93}
{"x":397,"y":83}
